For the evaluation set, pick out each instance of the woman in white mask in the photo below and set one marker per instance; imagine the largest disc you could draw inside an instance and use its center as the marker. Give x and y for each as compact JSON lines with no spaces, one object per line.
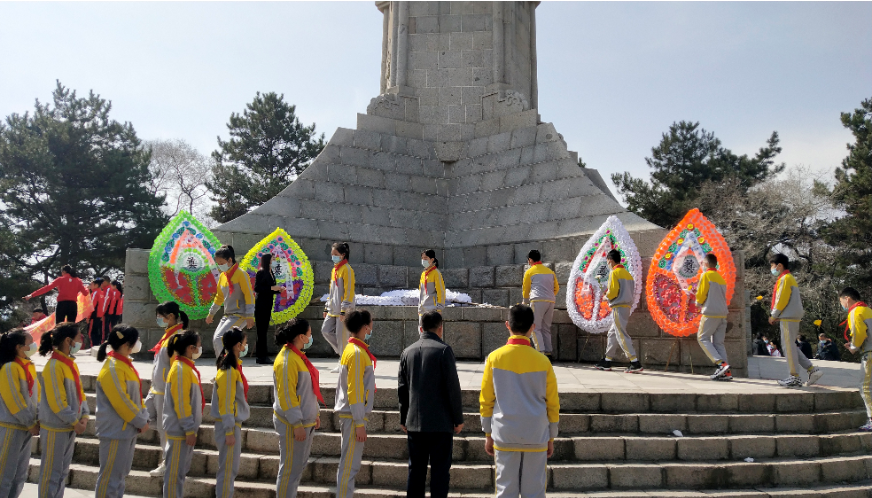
{"x":431,"y":290}
{"x":19,"y":395}
{"x":121,"y":414}
{"x":340,"y":300}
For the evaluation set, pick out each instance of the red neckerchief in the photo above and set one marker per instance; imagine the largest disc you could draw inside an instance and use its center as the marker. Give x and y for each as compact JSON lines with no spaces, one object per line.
{"x":845,"y":323}
{"x":27,"y":374}
{"x":428,"y":270}
{"x":775,"y":289}
{"x":520,"y":341}
{"x":72,"y":366}
{"x":536,"y":263}
{"x":362,"y":345}
{"x":244,"y":380}
{"x":337,"y":267}
{"x":229,"y":274}
{"x":313,"y":372}
{"x":186,"y":361}
{"x":618,"y":266}
{"x":169,"y":333}
{"x":126,"y":361}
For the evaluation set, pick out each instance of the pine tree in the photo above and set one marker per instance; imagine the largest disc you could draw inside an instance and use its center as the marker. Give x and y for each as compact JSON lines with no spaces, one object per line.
{"x":267,"y":150}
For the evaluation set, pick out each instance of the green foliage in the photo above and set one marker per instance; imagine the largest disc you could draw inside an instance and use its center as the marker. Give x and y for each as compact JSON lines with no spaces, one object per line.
{"x":268,"y":148}
{"x":72,"y":190}
{"x":687,"y":157}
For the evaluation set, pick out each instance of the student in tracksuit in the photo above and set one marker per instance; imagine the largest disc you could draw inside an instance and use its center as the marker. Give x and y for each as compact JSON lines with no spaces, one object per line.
{"x":230,"y":409}
{"x":234,"y":293}
{"x":431,"y":289}
{"x":540,"y":290}
{"x":859,"y":324}
{"x":620,"y":295}
{"x":173,"y":320}
{"x":340,"y":301}
{"x":69,"y":287}
{"x":63,"y":409}
{"x":116,"y":307}
{"x":110,"y":296}
{"x":121,"y":415}
{"x":296,"y":405}
{"x":95,"y":321}
{"x":519,"y":410}
{"x":355,"y":393}
{"x":711,"y":296}
{"x":19,"y":396}
{"x":183,"y":410}
{"x":787,"y":310}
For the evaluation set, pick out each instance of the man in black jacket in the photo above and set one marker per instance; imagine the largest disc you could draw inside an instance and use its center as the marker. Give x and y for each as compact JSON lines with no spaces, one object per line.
{"x":430,"y":408}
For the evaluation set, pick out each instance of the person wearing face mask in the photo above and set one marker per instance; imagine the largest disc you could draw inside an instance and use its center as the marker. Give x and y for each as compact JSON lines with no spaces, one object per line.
{"x":787,"y":311}
{"x":266,"y":289}
{"x":340,"y":300}
{"x":355,"y":393}
{"x":19,"y":396}
{"x":183,"y":410}
{"x":230,"y":409}
{"x":121,"y":414}
{"x":173,"y":320}
{"x":827,"y":349}
{"x":234,"y":294}
{"x":296,"y":406}
{"x":431,"y":289}
{"x":857,"y":328}
{"x":63,"y":409}
{"x":620,"y":295}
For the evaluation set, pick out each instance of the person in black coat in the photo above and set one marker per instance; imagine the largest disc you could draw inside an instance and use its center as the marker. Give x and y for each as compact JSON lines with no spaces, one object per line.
{"x":805,"y":347}
{"x":760,"y":346}
{"x":827,"y":349}
{"x":431,"y":411}
{"x":265,"y":288}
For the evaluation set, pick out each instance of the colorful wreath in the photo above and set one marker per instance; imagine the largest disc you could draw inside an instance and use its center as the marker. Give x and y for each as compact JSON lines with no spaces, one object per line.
{"x":292,"y":270}
{"x":181,"y":267}
{"x":589,"y":279}
{"x":675,"y":270}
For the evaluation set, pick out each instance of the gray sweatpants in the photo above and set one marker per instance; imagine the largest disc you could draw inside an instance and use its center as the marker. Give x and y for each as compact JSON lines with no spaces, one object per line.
{"x":293,"y":456}
{"x":228,"y":460}
{"x":227,"y":322}
{"x":116,"y":459}
{"x":178,"y":456}
{"x":543,"y":313}
{"x":14,"y":461}
{"x":349,"y":460}
{"x":54,"y":468}
{"x":795,"y":357}
{"x":521,"y":473}
{"x":154,"y":403}
{"x":710,"y":336}
{"x":335,"y":332}
{"x":866,"y":383}
{"x":618,"y":337}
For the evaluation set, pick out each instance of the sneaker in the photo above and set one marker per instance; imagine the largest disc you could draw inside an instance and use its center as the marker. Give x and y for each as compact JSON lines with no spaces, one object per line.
{"x":723,"y":368}
{"x":634,"y":368}
{"x":867,"y":427}
{"x":728,"y":375}
{"x":814,"y":375}
{"x":604,"y":365}
{"x":792,"y":381}
{"x":159,"y":472}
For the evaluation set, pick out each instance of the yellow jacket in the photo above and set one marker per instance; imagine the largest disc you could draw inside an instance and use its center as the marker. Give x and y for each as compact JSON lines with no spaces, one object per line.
{"x":57,"y":407}
{"x":294,"y":401}
{"x":355,"y":392}
{"x":18,"y":407}
{"x":788,"y":305}
{"x":621,"y":292}
{"x":229,"y":405}
{"x":859,"y":321}
{"x":540,"y":284}
{"x":238,"y":300}
{"x":341,"y":295}
{"x":183,"y":408}
{"x":120,"y":412}
{"x":431,"y":291}
{"x":711,"y":294}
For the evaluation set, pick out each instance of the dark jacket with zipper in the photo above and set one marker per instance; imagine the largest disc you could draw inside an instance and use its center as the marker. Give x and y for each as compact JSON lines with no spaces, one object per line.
{"x":428,"y":387}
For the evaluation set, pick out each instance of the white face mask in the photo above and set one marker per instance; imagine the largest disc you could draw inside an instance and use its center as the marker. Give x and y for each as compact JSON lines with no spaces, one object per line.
{"x":136,"y":347}
{"x":244,"y":352}
{"x":76,"y":347}
{"x":224,"y":267}
{"x":198,"y":353}
{"x":425,"y":263}
{"x":31,"y":350}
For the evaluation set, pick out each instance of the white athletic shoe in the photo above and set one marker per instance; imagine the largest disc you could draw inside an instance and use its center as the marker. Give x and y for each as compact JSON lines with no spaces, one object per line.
{"x":867,"y":427}
{"x":159,"y":472}
{"x":792,"y":381}
{"x":721,"y":370}
{"x":814,"y":375}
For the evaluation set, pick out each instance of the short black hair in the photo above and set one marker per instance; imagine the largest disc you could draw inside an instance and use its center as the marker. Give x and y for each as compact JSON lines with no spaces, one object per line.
{"x":431,"y":320}
{"x":37,"y":310}
{"x":356,"y":320}
{"x":535,"y":255}
{"x":780,"y":259}
{"x":520,"y":318}
{"x":615,"y":256}
{"x":98,"y":281}
{"x":711,"y":259}
{"x":850,"y":292}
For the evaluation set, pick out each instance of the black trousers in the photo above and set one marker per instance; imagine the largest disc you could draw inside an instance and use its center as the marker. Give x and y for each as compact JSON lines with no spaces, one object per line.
{"x":66,"y":311}
{"x":262,"y":313}
{"x":435,"y":448}
{"x":95,"y":331}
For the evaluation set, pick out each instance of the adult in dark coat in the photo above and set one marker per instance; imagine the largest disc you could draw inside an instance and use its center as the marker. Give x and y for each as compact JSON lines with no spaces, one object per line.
{"x":804,"y":346}
{"x":265,"y":289}
{"x":431,"y":411}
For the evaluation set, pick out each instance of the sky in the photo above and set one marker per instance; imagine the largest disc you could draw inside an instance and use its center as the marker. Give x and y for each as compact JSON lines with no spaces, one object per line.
{"x":612,"y":76}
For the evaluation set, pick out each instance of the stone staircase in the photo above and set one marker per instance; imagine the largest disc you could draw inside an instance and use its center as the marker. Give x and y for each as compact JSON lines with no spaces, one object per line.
{"x":804,"y":444}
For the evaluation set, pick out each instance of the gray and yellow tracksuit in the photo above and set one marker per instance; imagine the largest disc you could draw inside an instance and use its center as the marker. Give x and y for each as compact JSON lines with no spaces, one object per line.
{"x":355,"y":394}
{"x":120,"y":415}
{"x":182,"y":416}
{"x":237,"y":297}
{"x":294,"y":406}
{"x":230,"y":409}
{"x":711,"y":296}
{"x":787,"y":308}
{"x":18,"y":404}
{"x":431,"y":292}
{"x":620,"y":294}
{"x":61,"y":406}
{"x":154,"y":400}
{"x":339,"y":302}
{"x":520,"y":410}
{"x":860,"y":324}
{"x":540,"y":289}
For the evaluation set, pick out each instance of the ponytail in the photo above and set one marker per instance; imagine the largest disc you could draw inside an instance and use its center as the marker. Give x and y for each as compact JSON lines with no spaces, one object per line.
{"x":430,"y":253}
{"x":179,"y":343}
{"x":172,"y":308}
{"x":9,"y":342}
{"x":226,"y":252}
{"x":343,"y":249}
{"x":290,"y":330}
{"x":227,"y":360}
{"x":56,"y":336}
{"x":120,"y":335}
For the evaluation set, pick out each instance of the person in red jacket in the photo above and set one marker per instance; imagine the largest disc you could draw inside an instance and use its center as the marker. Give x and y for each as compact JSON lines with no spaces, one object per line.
{"x":116,"y":307}
{"x":109,"y":297}
{"x":95,"y":323}
{"x":69,"y":287}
